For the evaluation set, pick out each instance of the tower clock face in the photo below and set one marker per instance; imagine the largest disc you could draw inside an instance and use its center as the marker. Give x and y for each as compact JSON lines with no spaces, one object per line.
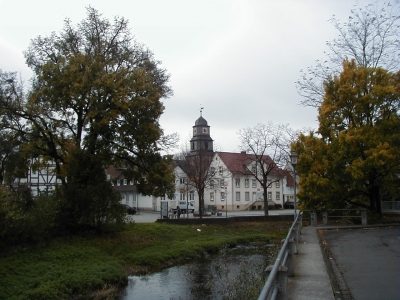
{"x":205,"y":130}
{"x":194,"y":130}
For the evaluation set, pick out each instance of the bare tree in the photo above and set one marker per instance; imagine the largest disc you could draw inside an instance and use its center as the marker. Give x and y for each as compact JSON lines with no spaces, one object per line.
{"x":371,"y":37}
{"x":267,"y":151}
{"x":196,"y":165}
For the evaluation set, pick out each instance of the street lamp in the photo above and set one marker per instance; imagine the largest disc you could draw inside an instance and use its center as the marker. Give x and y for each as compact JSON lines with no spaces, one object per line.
{"x":226,"y":201}
{"x":293,"y":160}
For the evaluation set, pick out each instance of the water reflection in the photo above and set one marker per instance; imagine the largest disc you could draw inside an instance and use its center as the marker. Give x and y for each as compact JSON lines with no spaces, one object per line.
{"x":236,"y":273}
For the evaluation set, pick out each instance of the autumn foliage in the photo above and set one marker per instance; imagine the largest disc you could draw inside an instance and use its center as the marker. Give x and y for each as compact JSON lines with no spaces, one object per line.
{"x":353,"y":158}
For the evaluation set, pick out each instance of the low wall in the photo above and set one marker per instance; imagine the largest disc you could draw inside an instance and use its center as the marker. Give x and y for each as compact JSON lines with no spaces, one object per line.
{"x":230,"y":220}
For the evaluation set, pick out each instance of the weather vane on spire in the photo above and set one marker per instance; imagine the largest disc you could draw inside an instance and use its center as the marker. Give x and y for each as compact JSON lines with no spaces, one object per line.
{"x":201,"y":110}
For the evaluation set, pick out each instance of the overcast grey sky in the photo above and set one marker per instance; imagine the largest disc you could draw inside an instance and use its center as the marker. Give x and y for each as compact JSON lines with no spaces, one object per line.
{"x":239,"y":59}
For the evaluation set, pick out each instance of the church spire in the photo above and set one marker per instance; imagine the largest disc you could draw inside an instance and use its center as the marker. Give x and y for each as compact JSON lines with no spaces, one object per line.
{"x":201,"y":139}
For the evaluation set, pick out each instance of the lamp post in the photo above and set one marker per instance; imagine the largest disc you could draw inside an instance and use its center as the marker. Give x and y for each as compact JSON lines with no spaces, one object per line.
{"x":293,"y":160}
{"x":226,"y":201}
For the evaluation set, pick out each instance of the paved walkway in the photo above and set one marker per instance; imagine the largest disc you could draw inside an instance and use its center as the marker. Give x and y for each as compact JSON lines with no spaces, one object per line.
{"x":311,"y":280}
{"x":368,"y":260}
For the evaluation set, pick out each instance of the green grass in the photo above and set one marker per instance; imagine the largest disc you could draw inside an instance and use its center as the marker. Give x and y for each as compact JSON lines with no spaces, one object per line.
{"x":82,"y":265}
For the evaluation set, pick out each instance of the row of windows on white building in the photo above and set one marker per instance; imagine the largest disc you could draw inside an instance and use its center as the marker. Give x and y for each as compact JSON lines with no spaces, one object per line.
{"x":190,"y":194}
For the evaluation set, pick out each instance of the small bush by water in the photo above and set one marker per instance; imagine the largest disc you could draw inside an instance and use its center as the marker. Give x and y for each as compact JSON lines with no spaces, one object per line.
{"x":81,"y":265}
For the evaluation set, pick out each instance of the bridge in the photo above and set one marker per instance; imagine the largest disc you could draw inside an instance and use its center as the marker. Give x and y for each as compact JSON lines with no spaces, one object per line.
{"x":330,"y":261}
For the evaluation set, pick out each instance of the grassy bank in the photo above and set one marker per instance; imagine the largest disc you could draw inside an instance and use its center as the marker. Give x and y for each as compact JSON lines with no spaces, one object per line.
{"x":79,"y":266}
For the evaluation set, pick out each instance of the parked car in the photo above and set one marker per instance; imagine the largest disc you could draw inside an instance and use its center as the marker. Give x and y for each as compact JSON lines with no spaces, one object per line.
{"x":183,"y":205}
{"x":129,"y":210}
{"x":288,"y":205}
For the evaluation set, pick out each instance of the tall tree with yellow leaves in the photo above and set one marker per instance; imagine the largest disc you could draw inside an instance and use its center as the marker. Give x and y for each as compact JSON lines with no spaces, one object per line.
{"x":355,"y":154}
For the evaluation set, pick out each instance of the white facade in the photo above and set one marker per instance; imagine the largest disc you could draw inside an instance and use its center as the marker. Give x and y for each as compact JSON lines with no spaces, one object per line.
{"x":228,"y":190}
{"x":233,"y":187}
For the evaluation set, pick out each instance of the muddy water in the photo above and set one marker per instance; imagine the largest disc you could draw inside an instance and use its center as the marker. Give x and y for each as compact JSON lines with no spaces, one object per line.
{"x":236,"y":273}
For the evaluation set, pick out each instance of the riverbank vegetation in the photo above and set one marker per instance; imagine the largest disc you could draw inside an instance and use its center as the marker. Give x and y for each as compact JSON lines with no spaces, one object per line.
{"x":94,"y":267}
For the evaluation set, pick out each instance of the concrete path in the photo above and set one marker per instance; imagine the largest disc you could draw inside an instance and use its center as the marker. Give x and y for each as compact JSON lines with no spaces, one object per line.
{"x":311,"y":280}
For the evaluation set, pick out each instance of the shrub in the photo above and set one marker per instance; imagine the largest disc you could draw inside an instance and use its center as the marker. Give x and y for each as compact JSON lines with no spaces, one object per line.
{"x":26,"y":220}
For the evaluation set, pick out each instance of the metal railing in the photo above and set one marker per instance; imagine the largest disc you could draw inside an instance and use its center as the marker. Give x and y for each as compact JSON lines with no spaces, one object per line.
{"x":342,"y":213}
{"x":358,"y":214}
{"x":276,"y":283}
{"x":391,"y":205}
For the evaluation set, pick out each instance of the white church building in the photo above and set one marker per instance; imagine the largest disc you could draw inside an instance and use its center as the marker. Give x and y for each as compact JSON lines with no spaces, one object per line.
{"x":234,"y":186}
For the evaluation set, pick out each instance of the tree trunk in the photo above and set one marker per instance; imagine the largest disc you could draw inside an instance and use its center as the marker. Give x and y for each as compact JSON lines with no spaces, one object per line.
{"x":265,"y":201}
{"x":201,"y":204}
{"x":375,"y":199}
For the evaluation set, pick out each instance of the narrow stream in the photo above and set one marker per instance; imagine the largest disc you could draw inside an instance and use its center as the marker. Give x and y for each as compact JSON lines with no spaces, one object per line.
{"x":236,"y":273}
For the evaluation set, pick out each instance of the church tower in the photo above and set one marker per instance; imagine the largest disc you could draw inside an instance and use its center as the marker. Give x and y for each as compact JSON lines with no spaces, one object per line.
{"x":201,"y":139}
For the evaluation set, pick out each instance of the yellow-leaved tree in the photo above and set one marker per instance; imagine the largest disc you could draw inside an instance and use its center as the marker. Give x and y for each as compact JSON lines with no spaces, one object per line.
{"x":354,"y":156}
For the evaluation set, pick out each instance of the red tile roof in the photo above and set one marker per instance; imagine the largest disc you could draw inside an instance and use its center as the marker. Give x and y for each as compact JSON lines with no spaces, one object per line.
{"x":236,"y":163}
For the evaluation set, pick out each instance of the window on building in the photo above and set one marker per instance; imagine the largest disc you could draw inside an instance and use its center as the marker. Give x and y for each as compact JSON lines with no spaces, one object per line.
{"x":247,"y":196}
{"x":237,"y":196}
{"x":237,"y":182}
{"x":277,"y":184}
{"x":222,"y":196}
{"x":162,"y":197}
{"x":254,"y":170}
{"x":212,"y":183}
{"x":222,"y":184}
{"x":118,"y":182}
{"x":269,"y":195}
{"x":108,"y":176}
{"x":191,"y":196}
{"x":125,"y":182}
{"x":278,"y":196}
{"x":220,"y":170}
{"x":182,"y":180}
{"x":212,"y":171}
{"x":254,"y":183}
{"x":254,"y":196}
{"x":192,"y":145}
{"x":211,"y":196}
{"x":131,"y":182}
{"x":182,"y":196}
{"x":246,"y":183}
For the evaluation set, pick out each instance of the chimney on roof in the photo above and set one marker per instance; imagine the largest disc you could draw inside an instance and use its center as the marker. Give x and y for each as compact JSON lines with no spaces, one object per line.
{"x":243,"y":152}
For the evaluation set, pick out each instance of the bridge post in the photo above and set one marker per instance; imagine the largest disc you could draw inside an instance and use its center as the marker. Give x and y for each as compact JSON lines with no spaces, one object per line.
{"x":280,"y":280}
{"x":314,"y":220}
{"x":325,"y":218}
{"x":364,"y":217}
{"x":290,"y":264}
